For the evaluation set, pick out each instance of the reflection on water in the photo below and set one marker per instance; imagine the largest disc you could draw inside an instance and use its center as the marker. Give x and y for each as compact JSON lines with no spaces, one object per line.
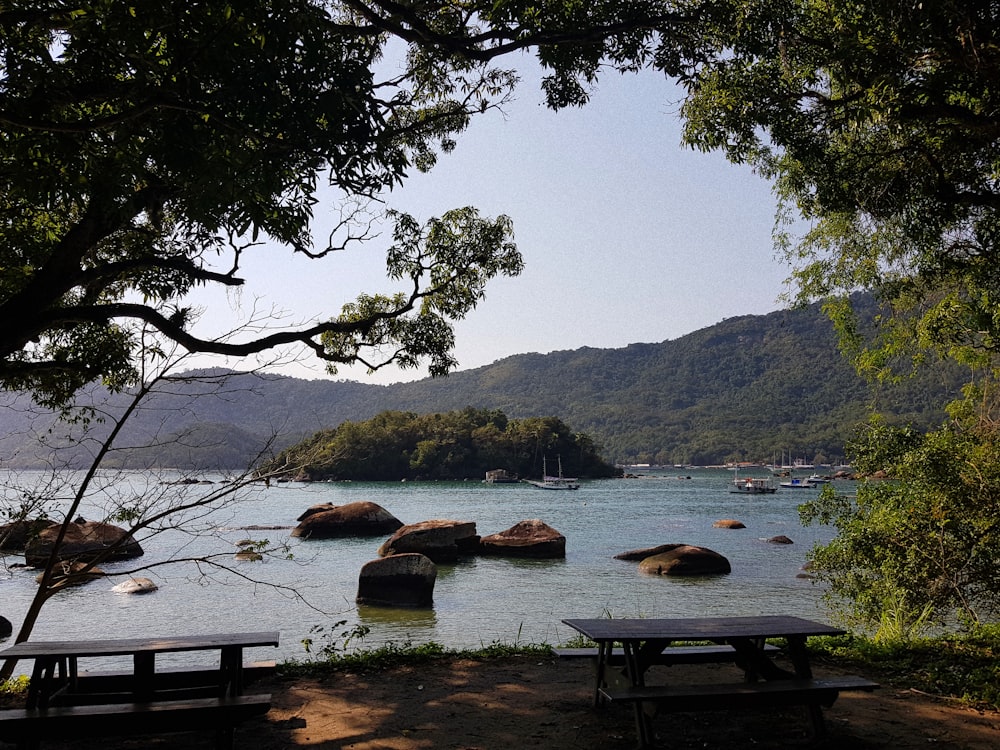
{"x":477,"y":601}
{"x":401,"y":617}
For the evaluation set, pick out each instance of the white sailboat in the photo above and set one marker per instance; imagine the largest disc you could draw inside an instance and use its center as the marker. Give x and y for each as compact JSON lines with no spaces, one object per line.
{"x":555,"y":483}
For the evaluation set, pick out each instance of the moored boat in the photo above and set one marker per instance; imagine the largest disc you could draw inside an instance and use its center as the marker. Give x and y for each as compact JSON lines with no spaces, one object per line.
{"x":752,"y":486}
{"x":796,"y":483}
{"x":554,"y":483}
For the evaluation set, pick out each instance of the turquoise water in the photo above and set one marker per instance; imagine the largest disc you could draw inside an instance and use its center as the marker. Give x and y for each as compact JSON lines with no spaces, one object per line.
{"x":476,"y":602}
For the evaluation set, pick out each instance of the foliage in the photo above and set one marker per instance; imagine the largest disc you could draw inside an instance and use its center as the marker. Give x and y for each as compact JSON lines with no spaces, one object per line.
{"x":457,"y":445}
{"x":962,"y":666}
{"x":149,"y":147}
{"x":922,"y":548}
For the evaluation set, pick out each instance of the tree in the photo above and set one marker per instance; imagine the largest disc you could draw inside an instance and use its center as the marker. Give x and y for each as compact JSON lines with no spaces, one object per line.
{"x":920,"y":551}
{"x":879,"y":123}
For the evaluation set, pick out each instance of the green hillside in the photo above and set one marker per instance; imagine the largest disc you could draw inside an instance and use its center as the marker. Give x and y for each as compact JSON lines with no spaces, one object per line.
{"x":747,"y":388}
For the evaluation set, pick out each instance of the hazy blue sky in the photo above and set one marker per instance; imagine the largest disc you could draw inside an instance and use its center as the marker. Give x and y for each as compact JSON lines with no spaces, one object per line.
{"x":627,"y":236}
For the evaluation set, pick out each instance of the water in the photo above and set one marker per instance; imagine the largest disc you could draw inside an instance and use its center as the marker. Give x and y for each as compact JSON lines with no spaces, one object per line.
{"x":476,"y":602}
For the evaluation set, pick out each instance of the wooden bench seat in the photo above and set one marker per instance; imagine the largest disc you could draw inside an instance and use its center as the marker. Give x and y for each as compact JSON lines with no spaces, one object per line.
{"x":812,"y":692}
{"x":670,"y":655}
{"x":819,"y":690}
{"x":171,"y":683}
{"x":28,"y":727}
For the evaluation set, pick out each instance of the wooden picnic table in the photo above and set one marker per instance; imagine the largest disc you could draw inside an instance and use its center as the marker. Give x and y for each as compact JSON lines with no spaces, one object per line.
{"x":59,"y":702}
{"x":56,"y":663}
{"x":764,"y":682}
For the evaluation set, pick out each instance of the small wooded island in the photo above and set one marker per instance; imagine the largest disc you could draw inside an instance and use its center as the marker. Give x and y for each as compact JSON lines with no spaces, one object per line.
{"x":457,"y":445}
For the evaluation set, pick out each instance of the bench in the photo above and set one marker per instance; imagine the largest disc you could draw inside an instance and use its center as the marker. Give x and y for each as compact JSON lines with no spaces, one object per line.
{"x":670,"y":655}
{"x":812,"y":692}
{"x":171,"y":683}
{"x":27,"y":727}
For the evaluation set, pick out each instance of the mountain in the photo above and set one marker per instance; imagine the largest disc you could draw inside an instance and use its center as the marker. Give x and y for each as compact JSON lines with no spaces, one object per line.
{"x":747,"y":388}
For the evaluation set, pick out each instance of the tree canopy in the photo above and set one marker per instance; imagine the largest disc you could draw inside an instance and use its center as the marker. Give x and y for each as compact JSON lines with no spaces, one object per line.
{"x":146,"y":146}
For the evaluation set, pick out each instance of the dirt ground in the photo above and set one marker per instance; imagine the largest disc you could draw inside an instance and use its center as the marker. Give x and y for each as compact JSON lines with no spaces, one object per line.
{"x":533,"y":702}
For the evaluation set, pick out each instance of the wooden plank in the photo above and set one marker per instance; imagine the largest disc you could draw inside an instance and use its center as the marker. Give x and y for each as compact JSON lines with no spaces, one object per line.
{"x":707,"y":697}
{"x":699,"y":628}
{"x":172,"y":678}
{"x":130,"y":646}
{"x":67,"y":722}
{"x":671,"y":655}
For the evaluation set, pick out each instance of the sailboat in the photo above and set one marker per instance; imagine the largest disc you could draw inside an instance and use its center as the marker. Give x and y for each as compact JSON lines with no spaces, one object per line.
{"x":555,"y":483}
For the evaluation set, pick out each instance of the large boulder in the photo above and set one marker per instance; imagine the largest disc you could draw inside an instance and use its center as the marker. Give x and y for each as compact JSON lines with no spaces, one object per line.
{"x":405,"y":580}
{"x":14,"y":537}
{"x":635,"y":555}
{"x":440,"y":540}
{"x":354,"y":519}
{"x":686,"y":560}
{"x":83,"y":542}
{"x":532,"y":538}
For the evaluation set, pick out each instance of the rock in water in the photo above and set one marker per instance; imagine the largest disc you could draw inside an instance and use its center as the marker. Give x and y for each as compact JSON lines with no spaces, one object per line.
{"x":135,"y":586}
{"x":354,"y":519}
{"x":440,"y":540}
{"x":532,"y":538}
{"x":729,"y":523}
{"x":405,"y":580}
{"x":686,"y":560}
{"x":83,"y":542}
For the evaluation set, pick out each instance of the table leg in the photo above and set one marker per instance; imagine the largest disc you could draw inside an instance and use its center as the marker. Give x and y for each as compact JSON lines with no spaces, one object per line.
{"x":231,"y":671}
{"x":603,"y":654}
{"x":637,"y":661}
{"x":143,"y":670}
{"x":799,"y":656}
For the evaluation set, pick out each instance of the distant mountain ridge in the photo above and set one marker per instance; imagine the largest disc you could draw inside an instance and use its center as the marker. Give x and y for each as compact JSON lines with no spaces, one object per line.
{"x":747,"y":388}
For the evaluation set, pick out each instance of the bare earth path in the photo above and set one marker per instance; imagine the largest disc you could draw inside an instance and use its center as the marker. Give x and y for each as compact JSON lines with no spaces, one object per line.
{"x":534,"y":702}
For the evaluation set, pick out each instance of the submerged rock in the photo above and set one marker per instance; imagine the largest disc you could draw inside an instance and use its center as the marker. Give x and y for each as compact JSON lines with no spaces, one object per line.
{"x":83,"y":542}
{"x":729,"y":523}
{"x":642,"y":554}
{"x":135,"y":586}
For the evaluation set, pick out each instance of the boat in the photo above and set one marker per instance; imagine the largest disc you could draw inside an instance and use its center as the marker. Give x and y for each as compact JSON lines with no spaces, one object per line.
{"x":555,"y":483}
{"x":797,"y":483}
{"x":752,"y":486}
{"x":817,"y":479}
{"x":500,"y":476}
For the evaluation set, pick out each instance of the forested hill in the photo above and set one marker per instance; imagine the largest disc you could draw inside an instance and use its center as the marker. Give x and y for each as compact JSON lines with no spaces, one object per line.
{"x":747,"y":388}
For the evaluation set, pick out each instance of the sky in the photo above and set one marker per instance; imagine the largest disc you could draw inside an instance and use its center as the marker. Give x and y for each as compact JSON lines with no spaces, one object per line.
{"x":627,"y":235}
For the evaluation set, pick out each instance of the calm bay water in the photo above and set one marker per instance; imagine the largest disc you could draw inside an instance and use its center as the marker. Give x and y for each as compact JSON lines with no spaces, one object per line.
{"x":476,"y":602}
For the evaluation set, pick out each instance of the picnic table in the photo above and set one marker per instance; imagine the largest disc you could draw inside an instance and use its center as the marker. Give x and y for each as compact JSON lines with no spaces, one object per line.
{"x":63,"y":701}
{"x":764,"y":682}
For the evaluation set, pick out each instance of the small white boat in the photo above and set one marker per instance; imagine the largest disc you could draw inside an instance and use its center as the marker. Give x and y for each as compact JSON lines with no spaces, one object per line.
{"x":817,"y":479}
{"x":555,"y":483}
{"x":799,"y":484}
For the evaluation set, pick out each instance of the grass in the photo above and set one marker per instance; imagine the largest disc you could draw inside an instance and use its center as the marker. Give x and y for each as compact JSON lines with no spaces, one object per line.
{"x":960,"y":667}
